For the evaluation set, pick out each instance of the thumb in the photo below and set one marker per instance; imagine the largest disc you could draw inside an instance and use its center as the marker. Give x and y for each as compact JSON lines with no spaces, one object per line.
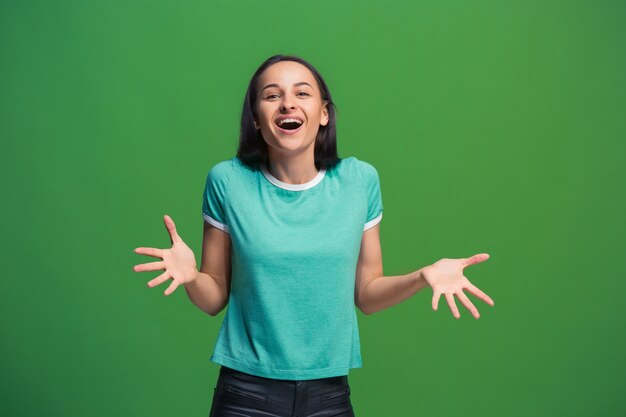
{"x":171,"y":229}
{"x":481,"y":257}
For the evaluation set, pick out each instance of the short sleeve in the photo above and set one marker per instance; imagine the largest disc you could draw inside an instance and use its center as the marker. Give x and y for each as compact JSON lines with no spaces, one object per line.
{"x":214,"y":196}
{"x":374,"y":197}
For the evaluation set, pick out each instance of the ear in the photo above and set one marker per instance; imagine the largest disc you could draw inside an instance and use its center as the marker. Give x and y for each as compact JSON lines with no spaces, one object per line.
{"x":324,"y":119}
{"x":256,"y":126}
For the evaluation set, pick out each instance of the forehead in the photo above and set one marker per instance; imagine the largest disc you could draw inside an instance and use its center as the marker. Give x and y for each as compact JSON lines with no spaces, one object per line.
{"x":286,"y":73}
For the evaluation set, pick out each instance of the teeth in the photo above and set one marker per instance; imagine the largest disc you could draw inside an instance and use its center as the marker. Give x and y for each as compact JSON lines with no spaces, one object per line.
{"x":283,"y":121}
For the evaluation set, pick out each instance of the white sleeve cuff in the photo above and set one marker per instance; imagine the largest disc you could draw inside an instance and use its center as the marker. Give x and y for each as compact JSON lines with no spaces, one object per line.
{"x":215,"y":223}
{"x":373,"y":222}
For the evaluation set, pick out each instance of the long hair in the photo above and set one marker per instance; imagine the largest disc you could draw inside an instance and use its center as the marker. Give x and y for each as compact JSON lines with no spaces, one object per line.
{"x":252,"y":149}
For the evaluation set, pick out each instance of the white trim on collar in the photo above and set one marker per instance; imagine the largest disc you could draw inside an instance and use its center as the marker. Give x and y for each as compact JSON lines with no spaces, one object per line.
{"x":293,"y":187}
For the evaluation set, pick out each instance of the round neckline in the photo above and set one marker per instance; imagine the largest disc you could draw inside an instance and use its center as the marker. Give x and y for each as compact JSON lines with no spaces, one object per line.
{"x":293,"y":187}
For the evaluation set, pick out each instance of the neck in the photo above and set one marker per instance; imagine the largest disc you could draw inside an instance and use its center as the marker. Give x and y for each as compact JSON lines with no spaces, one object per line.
{"x":293,"y":169}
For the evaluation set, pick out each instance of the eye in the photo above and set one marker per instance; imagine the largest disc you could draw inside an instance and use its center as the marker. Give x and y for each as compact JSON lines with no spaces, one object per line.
{"x":271,"y":95}
{"x":304,"y":92}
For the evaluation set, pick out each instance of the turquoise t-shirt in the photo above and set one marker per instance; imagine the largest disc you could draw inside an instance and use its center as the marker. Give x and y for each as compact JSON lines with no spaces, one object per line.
{"x":291,"y":312}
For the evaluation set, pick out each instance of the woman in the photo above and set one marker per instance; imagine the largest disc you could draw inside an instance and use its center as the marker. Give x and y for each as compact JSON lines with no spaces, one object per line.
{"x":298,"y":230}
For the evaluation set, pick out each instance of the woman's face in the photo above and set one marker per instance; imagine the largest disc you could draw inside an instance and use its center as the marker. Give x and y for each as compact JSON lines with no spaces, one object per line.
{"x":289,"y":108}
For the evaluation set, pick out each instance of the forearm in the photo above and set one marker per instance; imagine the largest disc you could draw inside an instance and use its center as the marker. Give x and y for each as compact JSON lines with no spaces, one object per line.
{"x":207,"y":294}
{"x":384,"y":292}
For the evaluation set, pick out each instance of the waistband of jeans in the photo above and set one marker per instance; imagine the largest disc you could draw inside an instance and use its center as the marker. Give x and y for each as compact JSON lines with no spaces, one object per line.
{"x":227,"y":370}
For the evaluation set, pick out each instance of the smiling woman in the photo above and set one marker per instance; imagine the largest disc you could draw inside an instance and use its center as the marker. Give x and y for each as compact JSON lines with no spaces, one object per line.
{"x":292,"y":245}
{"x":287,"y":87}
{"x":289,"y":112}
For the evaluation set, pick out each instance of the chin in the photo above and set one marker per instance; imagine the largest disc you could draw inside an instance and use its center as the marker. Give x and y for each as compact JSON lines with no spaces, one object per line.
{"x":290,"y":148}
{"x":288,"y":142}
{"x":290,"y":145}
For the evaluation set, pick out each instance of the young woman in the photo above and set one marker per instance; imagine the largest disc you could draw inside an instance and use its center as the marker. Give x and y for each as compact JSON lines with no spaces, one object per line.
{"x":297,"y":229}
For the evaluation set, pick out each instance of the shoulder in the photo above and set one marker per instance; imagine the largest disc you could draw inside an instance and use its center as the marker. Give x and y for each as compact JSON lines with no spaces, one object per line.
{"x":358,"y":167}
{"x":221,"y":171}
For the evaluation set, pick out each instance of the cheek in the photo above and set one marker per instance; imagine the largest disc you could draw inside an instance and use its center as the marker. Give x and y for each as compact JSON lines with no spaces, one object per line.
{"x":263,"y":115}
{"x":265,"y":124}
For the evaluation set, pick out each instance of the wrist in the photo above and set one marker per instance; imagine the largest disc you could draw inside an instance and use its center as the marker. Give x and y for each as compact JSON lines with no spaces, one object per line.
{"x":419,"y":277}
{"x":193,"y":277}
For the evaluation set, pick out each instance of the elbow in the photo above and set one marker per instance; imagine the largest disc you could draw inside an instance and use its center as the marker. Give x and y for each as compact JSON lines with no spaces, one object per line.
{"x":362,"y":300}
{"x":215,"y":312}
{"x":217,"y":309}
{"x":363,"y":309}
{"x":220,"y":305}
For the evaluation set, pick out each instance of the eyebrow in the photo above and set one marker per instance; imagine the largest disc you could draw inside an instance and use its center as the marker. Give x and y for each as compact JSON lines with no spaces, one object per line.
{"x":296,"y":84}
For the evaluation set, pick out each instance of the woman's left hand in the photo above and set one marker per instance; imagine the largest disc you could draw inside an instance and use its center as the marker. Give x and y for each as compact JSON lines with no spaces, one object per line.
{"x":446,"y":277}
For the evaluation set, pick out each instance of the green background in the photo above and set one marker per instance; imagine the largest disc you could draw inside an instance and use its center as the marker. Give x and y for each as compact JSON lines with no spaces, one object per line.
{"x":495,"y":126}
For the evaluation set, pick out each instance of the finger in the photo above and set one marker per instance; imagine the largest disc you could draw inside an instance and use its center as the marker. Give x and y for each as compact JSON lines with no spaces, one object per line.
{"x":171,"y":229}
{"x":481,"y":257}
{"x":157,"y":253}
{"x":159,"y":280}
{"x":171,"y":288}
{"x":452,"y":305}
{"x":151,"y":266}
{"x":478,"y":293}
{"x":468,"y":304}
{"x":435,"y":301}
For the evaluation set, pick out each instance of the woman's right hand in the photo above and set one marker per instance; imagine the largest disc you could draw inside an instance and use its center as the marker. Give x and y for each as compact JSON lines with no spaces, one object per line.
{"x":179,"y":261}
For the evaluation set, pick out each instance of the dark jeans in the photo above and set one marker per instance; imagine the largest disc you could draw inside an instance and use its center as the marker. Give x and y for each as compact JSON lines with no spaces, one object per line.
{"x":240,"y":394}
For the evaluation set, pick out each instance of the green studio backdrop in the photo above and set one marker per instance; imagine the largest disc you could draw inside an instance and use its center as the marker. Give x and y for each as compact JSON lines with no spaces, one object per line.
{"x":496,"y":126}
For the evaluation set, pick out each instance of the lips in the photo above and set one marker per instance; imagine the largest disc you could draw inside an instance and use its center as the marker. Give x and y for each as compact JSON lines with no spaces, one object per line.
{"x":289,"y":124}
{"x":289,"y":132}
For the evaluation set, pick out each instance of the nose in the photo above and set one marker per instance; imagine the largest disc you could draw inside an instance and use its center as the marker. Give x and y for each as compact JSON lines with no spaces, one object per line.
{"x":287,"y":105}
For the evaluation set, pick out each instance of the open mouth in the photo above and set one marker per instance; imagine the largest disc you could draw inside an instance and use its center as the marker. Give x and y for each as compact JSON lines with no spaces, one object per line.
{"x":289,"y":124}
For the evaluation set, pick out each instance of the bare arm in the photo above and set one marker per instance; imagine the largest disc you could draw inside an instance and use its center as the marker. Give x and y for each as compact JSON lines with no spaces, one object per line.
{"x":373,"y":291}
{"x":211,"y":289}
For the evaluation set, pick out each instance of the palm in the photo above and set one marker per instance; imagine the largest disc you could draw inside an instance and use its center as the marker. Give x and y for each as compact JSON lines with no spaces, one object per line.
{"x":178,"y":262}
{"x":181,"y":260}
{"x":446,"y":277}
